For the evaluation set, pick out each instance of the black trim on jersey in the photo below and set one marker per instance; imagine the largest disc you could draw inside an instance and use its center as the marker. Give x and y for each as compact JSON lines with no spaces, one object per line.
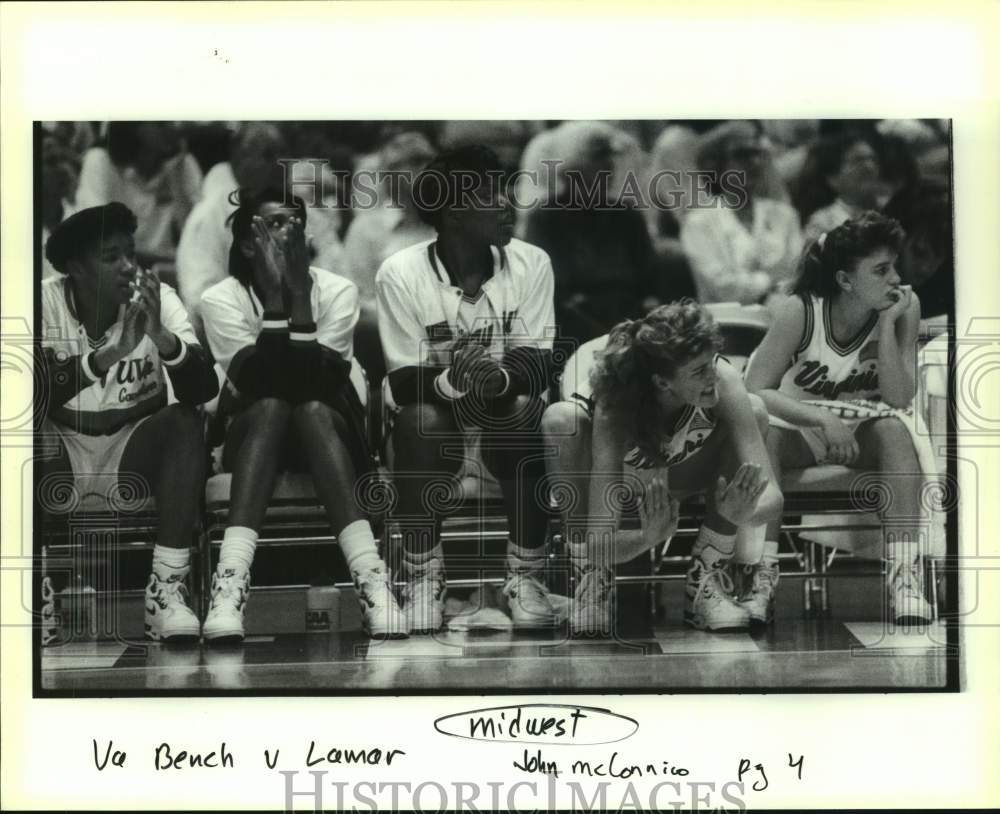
{"x":807,"y":328}
{"x":194,"y":379}
{"x":856,"y":341}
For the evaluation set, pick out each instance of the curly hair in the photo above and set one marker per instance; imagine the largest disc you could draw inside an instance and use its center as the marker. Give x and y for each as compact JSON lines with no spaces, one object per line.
{"x":842,"y":248}
{"x":622,"y":378}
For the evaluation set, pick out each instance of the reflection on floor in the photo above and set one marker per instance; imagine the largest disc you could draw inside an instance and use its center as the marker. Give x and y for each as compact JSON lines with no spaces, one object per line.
{"x":807,"y":654}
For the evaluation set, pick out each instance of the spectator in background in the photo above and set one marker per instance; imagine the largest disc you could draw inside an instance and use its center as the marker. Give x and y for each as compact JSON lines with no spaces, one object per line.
{"x":600,"y":248}
{"x":506,"y":138}
{"x":60,"y":169}
{"x":926,"y":259}
{"x":145,"y":166}
{"x":791,"y":141}
{"x":202,"y":256}
{"x":539,"y":181}
{"x":847,"y":167}
{"x":377,"y":233}
{"x":203,"y":253}
{"x":671,"y":166}
{"x":742,"y":245}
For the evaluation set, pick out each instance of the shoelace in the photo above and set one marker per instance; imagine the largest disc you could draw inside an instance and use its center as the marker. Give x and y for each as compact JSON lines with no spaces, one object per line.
{"x":175,"y":591}
{"x":709,"y":576}
{"x":226,"y":587}
{"x":432,"y":582}
{"x":764,"y":578}
{"x":520,"y":583}
{"x":907,"y":578}
{"x":372,"y":582}
{"x":593,"y":586}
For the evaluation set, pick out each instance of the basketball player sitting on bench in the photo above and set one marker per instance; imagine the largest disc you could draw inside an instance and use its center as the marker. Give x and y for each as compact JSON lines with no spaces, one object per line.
{"x":466,"y":326}
{"x":111,"y":334}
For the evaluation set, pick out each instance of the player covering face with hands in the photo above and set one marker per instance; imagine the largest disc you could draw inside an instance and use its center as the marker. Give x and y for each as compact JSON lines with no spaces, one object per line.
{"x":836,"y":370}
{"x":111,"y":335}
{"x":282,"y":332}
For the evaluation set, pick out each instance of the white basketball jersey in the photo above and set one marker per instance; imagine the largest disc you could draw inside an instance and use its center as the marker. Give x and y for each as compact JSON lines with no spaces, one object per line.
{"x":688,"y":435}
{"x":824,"y":369}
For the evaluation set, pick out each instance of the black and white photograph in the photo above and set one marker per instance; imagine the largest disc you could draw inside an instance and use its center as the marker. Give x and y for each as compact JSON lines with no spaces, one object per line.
{"x":455,"y":405}
{"x":476,"y":406}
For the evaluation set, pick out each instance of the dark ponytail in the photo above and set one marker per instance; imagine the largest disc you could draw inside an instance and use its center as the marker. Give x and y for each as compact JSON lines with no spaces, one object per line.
{"x":841,"y":249}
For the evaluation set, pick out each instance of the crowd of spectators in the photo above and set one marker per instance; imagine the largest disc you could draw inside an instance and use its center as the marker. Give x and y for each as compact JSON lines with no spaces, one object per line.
{"x":632,"y":213}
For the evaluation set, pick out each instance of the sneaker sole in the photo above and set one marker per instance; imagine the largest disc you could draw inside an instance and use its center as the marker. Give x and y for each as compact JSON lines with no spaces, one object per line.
{"x":912,"y":621}
{"x":224,"y":636}
{"x":190,"y":634}
{"x":535,"y":623}
{"x":386,"y":635}
{"x":424,"y":631}
{"x":699,"y":624}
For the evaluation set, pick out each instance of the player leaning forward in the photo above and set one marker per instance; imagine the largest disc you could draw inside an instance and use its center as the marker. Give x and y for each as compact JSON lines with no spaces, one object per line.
{"x":668,"y":417}
{"x":111,"y":335}
{"x":837,"y":372}
{"x":466,"y":324}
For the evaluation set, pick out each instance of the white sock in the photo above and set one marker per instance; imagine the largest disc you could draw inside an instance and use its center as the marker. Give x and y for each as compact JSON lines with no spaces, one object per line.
{"x":770,"y":555}
{"x":416,"y":564}
{"x":711,"y":546}
{"x":238,"y":546}
{"x":169,"y":562}
{"x":749,"y":544}
{"x":358,"y":544}
{"x":524,"y":560}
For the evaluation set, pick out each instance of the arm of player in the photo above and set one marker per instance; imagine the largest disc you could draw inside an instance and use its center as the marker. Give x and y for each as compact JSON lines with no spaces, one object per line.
{"x":403,"y":338}
{"x":319,"y":352}
{"x":255,"y":365}
{"x":190,"y":370}
{"x":736,"y":413}
{"x":771,"y":360}
{"x":528,"y":362}
{"x":897,"y":349}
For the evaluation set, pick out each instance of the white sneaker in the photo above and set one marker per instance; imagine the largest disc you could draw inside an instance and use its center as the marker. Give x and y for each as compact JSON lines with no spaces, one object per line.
{"x":708,"y":599}
{"x":591,"y":615}
{"x":758,"y":599}
{"x":423,"y":601}
{"x":528,"y":602}
{"x":168,"y":615}
{"x":229,"y":601}
{"x":906,"y":594}
{"x":381,"y":617}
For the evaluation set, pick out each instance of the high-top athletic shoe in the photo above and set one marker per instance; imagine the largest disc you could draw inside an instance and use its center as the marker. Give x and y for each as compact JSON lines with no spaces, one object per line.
{"x":423,"y":600}
{"x":761,"y":584}
{"x":708,"y":600}
{"x":591,"y":615}
{"x":528,"y":601}
{"x":229,"y":601}
{"x":906,"y":594}
{"x":381,"y":617}
{"x":168,"y":615}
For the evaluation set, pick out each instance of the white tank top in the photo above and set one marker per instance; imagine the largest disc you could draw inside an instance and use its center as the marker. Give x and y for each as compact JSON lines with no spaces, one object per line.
{"x":688,"y":435}
{"x":823,"y":369}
